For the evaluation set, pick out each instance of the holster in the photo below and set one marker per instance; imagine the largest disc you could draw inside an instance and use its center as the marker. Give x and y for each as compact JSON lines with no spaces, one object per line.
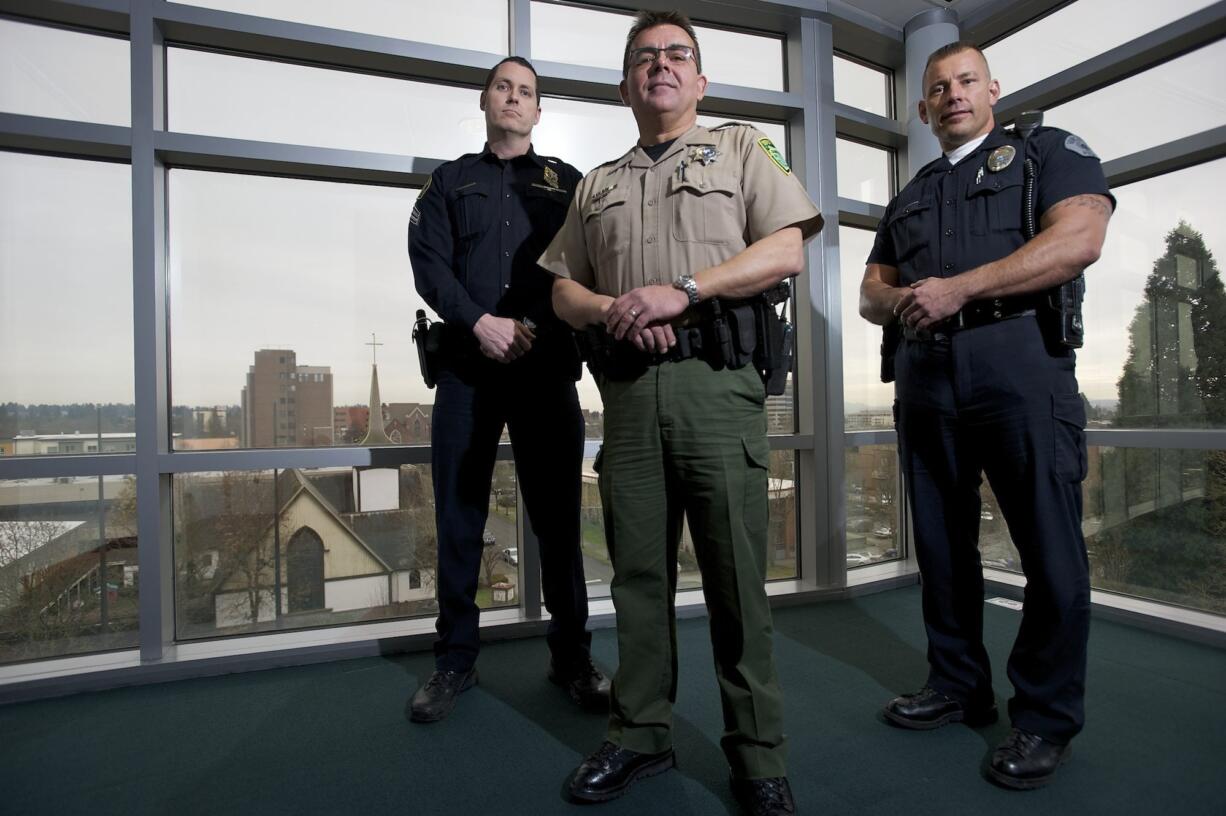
{"x":428,"y":337}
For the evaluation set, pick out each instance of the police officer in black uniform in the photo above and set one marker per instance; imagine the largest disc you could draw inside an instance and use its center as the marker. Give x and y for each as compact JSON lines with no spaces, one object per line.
{"x":986,"y":383}
{"x":505,"y":359}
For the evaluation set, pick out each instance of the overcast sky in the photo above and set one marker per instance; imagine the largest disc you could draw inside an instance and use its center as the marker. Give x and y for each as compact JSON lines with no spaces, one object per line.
{"x":258,"y":262}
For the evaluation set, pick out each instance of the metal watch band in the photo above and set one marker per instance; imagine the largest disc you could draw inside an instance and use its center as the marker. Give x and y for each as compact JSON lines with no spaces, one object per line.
{"x":687,"y":284}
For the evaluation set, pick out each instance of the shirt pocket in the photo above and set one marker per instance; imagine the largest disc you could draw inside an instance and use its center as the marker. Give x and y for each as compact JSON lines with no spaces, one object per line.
{"x":705,"y":207}
{"x":471,"y":210}
{"x":995,"y":203}
{"x":606,"y":221}
{"x":911,"y":228}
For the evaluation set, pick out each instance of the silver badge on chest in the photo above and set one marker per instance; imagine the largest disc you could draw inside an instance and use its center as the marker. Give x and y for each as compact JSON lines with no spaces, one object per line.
{"x":704,"y":154}
{"x":1001,"y":157}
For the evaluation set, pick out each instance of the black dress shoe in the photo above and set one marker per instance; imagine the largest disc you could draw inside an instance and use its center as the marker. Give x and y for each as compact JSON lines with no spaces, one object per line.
{"x":435,"y":700}
{"x":1025,"y":760}
{"x":583,"y":682}
{"x":764,"y":797}
{"x":929,"y":708}
{"x":610,"y":772}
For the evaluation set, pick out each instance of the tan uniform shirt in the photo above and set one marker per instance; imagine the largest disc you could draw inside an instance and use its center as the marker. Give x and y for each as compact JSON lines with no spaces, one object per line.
{"x":637,"y":222}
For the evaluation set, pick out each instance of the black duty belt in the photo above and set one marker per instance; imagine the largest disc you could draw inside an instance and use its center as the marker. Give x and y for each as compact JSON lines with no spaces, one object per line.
{"x":972,"y":316}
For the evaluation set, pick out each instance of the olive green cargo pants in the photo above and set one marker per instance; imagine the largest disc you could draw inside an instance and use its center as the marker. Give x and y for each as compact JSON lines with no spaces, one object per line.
{"x":685,"y":441}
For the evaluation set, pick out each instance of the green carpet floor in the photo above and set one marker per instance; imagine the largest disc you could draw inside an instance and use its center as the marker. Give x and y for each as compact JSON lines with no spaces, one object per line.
{"x":334,"y":738}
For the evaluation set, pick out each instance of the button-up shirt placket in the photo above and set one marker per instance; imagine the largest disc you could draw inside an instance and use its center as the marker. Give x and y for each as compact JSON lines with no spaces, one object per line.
{"x":506,"y":239}
{"x":947,"y":188}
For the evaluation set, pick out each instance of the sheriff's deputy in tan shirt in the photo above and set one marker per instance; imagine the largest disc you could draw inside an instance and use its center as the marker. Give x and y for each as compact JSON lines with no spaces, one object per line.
{"x":687,"y":216}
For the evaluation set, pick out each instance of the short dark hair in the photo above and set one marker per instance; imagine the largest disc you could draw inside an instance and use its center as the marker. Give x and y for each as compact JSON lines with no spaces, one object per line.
{"x":651,"y":19}
{"x":949,"y":50}
{"x":489,"y":78}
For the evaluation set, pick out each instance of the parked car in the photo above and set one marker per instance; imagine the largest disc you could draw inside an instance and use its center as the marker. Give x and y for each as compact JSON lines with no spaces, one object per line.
{"x":883,"y":531}
{"x":511,"y":556}
{"x":986,"y":514}
{"x":858,"y":559}
{"x":487,"y":539}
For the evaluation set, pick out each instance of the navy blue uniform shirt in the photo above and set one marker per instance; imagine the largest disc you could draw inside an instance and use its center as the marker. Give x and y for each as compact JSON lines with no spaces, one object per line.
{"x":952,"y":218}
{"x":475,"y":234}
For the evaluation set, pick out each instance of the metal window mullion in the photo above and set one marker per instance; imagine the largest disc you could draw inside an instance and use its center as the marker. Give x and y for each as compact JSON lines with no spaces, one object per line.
{"x":150,"y":350}
{"x":819,"y":386}
{"x":1173,"y":40}
{"x":1177,"y":154}
{"x":520,"y":28}
{"x":528,"y":545}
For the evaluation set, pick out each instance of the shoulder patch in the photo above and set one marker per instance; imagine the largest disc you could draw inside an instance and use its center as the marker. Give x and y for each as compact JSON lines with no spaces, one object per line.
{"x":1077,"y":145}
{"x":768,"y":147}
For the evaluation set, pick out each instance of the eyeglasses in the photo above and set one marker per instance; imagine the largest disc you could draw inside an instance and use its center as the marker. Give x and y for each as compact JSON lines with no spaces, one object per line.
{"x":675,"y":54}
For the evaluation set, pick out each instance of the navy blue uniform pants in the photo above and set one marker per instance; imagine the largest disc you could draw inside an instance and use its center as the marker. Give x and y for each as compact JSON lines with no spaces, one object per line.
{"x":546,"y":427}
{"x":994,"y":400}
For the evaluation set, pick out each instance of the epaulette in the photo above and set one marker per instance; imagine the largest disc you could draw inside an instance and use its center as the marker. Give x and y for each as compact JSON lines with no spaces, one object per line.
{"x":728,"y":125}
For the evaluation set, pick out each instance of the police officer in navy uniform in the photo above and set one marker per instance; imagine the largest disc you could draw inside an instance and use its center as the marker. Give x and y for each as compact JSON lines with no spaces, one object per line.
{"x":475,"y":233}
{"x":984,"y":384}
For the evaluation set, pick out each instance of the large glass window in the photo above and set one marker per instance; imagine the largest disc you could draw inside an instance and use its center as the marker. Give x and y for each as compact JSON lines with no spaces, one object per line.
{"x":867,"y":401}
{"x":319,"y":107}
{"x":861,"y":86}
{"x":1153,"y":526}
{"x":1075,"y":33}
{"x":584,"y":36}
{"x":484,"y":25}
{"x":63,"y":74}
{"x":1178,"y":103}
{"x":69,"y":573}
{"x":271,"y":329}
{"x":865,"y":172}
{"x":65,"y":305}
{"x":288,"y":549}
{"x":1155,"y":307}
{"x":873,"y":518}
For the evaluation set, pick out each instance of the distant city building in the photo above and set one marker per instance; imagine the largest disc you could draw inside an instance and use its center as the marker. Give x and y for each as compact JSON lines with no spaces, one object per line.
{"x":207,"y":443}
{"x":781,"y":411}
{"x":409,"y":422}
{"x":212,"y":420}
{"x":285,"y":403}
{"x":349,"y":423}
{"x":879,"y":419}
{"x":49,"y":444}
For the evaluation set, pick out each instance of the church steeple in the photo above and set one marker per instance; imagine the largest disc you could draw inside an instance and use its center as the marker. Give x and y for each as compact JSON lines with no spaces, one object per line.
{"x":376,"y":433}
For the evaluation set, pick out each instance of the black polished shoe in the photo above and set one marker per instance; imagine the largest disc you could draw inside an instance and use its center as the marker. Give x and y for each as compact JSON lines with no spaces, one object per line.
{"x":929,"y":708}
{"x":583,"y":682}
{"x":1025,"y":760}
{"x":764,"y":797}
{"x":436,"y":698}
{"x":610,"y":772}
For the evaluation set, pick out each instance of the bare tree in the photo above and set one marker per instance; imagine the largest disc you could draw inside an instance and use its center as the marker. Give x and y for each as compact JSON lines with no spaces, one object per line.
{"x":20,"y":538}
{"x":490,"y":557}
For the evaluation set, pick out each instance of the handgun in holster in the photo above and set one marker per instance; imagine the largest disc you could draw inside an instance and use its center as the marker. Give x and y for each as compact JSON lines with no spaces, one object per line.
{"x":891,"y":336}
{"x":427,"y":336}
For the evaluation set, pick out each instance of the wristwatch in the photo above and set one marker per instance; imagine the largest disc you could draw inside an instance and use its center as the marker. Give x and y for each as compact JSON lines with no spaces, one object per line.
{"x":687,"y":284}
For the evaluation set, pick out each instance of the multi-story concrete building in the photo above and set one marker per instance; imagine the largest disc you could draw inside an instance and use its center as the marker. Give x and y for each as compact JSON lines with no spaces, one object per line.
{"x":285,"y":404}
